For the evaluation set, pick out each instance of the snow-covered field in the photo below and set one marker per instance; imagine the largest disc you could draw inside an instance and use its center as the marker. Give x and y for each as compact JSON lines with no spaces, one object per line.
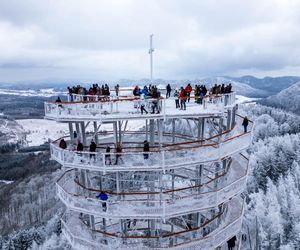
{"x":41,"y":92}
{"x":6,"y":182}
{"x":39,"y":131}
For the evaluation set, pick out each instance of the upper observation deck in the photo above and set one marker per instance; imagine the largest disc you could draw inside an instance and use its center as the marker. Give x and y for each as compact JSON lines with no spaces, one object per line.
{"x":126,"y":108}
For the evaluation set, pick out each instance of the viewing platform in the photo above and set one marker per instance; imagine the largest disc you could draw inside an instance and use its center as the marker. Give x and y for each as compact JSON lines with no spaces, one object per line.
{"x":126,"y":108}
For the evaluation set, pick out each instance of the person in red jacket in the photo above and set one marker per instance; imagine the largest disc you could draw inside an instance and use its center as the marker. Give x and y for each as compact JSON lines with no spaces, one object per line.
{"x":183,"y":96}
{"x":188,"y":90}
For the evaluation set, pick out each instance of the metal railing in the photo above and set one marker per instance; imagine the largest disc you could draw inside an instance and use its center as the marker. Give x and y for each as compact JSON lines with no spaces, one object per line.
{"x":156,"y":207}
{"x":229,"y":226}
{"x":182,"y":154}
{"x":113,"y":108}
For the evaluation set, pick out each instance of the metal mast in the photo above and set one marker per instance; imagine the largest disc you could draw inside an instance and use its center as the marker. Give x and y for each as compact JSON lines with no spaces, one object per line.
{"x":151,"y":50}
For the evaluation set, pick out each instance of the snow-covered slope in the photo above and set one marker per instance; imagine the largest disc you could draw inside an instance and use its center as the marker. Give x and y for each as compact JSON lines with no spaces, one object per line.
{"x":240,"y":88}
{"x":288,"y":99}
{"x":10,"y":132}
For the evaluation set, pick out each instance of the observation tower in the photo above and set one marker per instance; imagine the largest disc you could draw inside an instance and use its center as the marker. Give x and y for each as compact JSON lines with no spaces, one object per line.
{"x":185,"y":192}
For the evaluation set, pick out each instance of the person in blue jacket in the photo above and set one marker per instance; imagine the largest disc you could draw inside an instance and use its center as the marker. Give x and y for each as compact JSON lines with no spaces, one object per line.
{"x":103,"y":197}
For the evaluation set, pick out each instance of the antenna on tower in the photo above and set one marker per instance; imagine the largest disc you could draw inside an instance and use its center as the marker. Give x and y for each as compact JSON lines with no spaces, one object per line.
{"x":151,"y":50}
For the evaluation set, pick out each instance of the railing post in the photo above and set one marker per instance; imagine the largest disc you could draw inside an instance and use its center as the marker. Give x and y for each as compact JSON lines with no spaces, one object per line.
{"x":104,"y":165}
{"x":164,"y":103}
{"x":163,"y":161}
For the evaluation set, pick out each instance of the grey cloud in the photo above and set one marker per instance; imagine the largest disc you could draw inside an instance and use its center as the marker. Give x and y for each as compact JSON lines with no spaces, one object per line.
{"x":109,"y":39}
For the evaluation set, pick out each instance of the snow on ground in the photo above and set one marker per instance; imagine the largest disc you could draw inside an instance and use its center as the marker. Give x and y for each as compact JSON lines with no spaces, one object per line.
{"x":41,"y":92}
{"x":6,"y":182}
{"x":40,"y":131}
{"x":245,"y":99}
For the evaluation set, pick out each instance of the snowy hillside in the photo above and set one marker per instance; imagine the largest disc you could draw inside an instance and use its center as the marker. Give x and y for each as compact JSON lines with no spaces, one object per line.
{"x":10,"y":132}
{"x":288,"y":99}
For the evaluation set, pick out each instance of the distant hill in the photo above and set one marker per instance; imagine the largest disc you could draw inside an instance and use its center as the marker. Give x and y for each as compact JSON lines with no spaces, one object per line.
{"x":273,"y":85}
{"x":288,"y":99}
{"x":246,"y":85}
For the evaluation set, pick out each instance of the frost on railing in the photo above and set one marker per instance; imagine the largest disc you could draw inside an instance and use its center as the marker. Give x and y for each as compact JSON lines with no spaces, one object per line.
{"x":159,"y":205}
{"x":114,"y":108}
{"x":80,"y":236}
{"x":160,"y":160}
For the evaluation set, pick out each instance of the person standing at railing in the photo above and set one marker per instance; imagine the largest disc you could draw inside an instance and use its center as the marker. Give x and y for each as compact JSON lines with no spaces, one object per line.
{"x":183,"y":97}
{"x":146,"y":149}
{"x":231,"y":243}
{"x":118,"y":154}
{"x":176,"y":95}
{"x":155,"y":96}
{"x":196,"y":92}
{"x":103,"y":197}
{"x":169,"y":89}
{"x":91,"y":93}
{"x":58,"y":100}
{"x":62,"y":144}
{"x":136,"y":91}
{"x":93,"y":148}
{"x":245,"y":124}
{"x":188,"y":90}
{"x":107,"y":156}
{"x":143,"y":104}
{"x":117,"y":89}
{"x":79,"y":149}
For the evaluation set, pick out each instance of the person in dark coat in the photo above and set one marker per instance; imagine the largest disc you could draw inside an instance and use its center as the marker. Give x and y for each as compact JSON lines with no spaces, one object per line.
{"x":231,"y":243}
{"x":79,"y":146}
{"x":245,"y":124}
{"x":58,"y":100}
{"x":168,"y":90}
{"x":79,"y":149}
{"x":93,"y":148}
{"x":118,"y":154}
{"x":63,"y":144}
{"x":146,"y":149}
{"x":107,"y":156}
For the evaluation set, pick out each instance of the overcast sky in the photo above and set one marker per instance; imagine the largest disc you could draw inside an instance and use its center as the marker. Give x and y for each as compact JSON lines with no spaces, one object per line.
{"x":109,"y":39}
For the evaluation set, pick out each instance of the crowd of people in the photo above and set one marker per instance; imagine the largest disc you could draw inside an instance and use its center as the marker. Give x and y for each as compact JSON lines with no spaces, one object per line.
{"x":93,"y":93}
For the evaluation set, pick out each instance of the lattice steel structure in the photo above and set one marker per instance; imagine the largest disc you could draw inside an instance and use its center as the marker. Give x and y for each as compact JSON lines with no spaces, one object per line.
{"x":186,"y":195}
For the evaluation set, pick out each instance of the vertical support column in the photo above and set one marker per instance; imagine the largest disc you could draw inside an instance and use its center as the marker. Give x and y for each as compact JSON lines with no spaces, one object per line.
{"x":96,"y":133}
{"x":173,"y":130}
{"x":220,"y":125}
{"x":119,"y":127}
{"x":147,"y":130}
{"x":78,"y":130}
{"x":229,"y":119}
{"x":199,"y":170}
{"x":83,"y":135}
{"x":115,"y":132}
{"x":201,"y":124}
{"x":233,"y":116}
{"x":160,"y":131}
{"x":152,"y":128}
{"x":71,"y":131}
